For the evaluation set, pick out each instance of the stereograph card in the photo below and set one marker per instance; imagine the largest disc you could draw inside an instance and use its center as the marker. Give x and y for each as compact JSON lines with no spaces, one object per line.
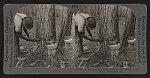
{"x":75,"y":39}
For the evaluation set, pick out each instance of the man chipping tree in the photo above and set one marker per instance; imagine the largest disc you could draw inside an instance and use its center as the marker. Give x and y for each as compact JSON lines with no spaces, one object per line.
{"x":85,"y":21}
{"x":22,"y":21}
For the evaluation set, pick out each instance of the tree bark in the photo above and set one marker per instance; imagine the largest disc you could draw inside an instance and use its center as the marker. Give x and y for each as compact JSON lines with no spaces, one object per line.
{"x":46,"y":23}
{"x":61,"y":50}
{"x":45,"y":31}
{"x":129,"y":31}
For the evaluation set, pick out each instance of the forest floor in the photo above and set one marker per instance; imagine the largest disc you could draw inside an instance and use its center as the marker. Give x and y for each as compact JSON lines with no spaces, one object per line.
{"x":97,"y":57}
{"x":94,"y":56}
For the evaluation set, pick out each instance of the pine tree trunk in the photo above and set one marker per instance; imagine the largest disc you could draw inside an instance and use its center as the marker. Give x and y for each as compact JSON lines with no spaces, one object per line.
{"x":109,"y":29}
{"x":46,"y":23}
{"x":45,"y":30}
{"x":129,"y":30}
{"x":63,"y":52}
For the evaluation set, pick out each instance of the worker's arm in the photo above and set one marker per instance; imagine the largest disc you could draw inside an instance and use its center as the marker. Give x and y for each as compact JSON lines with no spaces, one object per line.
{"x":25,"y":38}
{"x":89,"y":32}
{"x":90,"y":39}
{"x":26,"y":31}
